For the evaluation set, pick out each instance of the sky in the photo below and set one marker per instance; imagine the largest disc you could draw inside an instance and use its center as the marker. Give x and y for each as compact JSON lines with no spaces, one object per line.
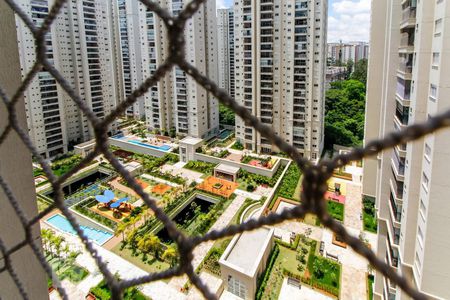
{"x":348,"y":20}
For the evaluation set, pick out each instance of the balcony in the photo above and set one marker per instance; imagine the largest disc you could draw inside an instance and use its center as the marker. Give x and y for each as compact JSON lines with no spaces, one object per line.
{"x":399,"y":168}
{"x":404,"y":71}
{"x":397,"y":190}
{"x":407,"y":42}
{"x":408,"y":18}
{"x":391,"y":254}
{"x":395,"y":209}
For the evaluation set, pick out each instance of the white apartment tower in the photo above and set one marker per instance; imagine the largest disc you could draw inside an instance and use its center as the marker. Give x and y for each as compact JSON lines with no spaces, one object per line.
{"x":177,"y":104}
{"x":409,"y":81}
{"x":225,"y":45}
{"x":280,"y":71}
{"x":79,"y":46}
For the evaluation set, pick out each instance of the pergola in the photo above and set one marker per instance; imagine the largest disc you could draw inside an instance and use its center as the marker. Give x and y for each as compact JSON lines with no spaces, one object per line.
{"x":226,"y":172}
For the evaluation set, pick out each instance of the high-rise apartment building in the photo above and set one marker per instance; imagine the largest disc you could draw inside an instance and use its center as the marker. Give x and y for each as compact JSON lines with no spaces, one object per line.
{"x":280,"y":50}
{"x":79,"y":46}
{"x":409,"y":81}
{"x":225,"y":46}
{"x":343,"y":52}
{"x":176,"y":104}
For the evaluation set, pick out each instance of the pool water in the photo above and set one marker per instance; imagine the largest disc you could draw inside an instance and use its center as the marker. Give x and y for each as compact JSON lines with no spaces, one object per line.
{"x":224,"y":134}
{"x":61,"y":223}
{"x":162,"y":148}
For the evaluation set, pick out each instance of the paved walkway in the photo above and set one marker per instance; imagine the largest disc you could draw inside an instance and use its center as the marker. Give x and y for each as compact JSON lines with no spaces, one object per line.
{"x":201,"y":250}
{"x":301,"y":228}
{"x":160,"y":180}
{"x":289,"y":292}
{"x":177,"y":169}
{"x":353,"y":283}
{"x":245,"y":194}
{"x":353,"y":207}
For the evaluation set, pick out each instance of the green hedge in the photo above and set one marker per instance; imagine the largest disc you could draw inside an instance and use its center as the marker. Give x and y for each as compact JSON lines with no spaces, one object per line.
{"x":289,"y":182}
{"x":265,"y":277}
{"x":201,"y":166}
{"x":336,"y":210}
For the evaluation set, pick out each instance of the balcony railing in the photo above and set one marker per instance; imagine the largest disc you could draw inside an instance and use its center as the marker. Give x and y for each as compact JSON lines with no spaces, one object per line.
{"x":405,"y":68}
{"x":408,"y":14}
{"x":403,"y":117}
{"x":399,"y":166}
{"x":395,"y":209}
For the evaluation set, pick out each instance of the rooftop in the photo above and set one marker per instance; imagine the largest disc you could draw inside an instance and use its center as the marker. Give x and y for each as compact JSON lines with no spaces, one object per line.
{"x":246,"y":250}
{"x":191,"y":140}
{"x":227,"y":169}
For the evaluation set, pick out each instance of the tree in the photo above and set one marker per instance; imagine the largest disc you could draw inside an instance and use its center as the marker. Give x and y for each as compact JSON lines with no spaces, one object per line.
{"x":155,"y":245}
{"x":226,"y":115}
{"x":170,"y":254}
{"x":121,"y":228}
{"x":360,"y":72}
{"x":350,"y":65}
{"x":344,"y":113}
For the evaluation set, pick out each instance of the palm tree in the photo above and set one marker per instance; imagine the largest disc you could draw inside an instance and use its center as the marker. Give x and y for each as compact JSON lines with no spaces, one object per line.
{"x":121,"y":228}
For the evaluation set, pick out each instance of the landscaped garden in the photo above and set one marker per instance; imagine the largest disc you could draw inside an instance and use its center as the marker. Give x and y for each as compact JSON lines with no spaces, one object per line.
{"x":201,"y":166}
{"x":300,"y":261}
{"x":249,"y":181}
{"x":62,"y":165}
{"x":369,"y":217}
{"x":336,"y":210}
{"x":102,"y":292}
{"x":289,"y":182}
{"x":150,"y":247}
{"x":370,"y":283}
{"x":58,"y":255}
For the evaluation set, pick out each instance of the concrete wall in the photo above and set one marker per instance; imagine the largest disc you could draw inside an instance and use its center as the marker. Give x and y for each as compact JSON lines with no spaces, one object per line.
{"x":136,"y":148}
{"x":249,"y":168}
{"x":16,"y":170}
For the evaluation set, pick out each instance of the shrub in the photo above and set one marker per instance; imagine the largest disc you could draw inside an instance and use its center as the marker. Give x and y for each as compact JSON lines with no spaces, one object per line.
{"x":289,"y":182}
{"x":200,"y":166}
{"x":237,"y":146}
{"x":250,"y":187}
{"x":265,"y":277}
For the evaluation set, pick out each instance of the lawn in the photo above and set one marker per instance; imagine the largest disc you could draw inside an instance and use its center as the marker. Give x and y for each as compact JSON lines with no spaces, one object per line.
{"x":326,"y":273}
{"x":286,"y":262}
{"x":369,"y":218}
{"x":150,"y":265}
{"x":336,"y":210}
{"x":370,"y":282}
{"x":63,"y":165}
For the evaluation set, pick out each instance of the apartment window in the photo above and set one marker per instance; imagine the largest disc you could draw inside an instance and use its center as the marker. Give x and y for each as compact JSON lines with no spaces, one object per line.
{"x":437,"y":27}
{"x":433,"y":92}
{"x":427,"y":152}
{"x":420,"y":236}
{"x":422,"y":209}
{"x":435,"y":63}
{"x":425,"y":182}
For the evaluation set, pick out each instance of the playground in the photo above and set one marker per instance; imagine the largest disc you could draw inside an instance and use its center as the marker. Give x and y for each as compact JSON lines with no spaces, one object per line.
{"x":218,"y":186}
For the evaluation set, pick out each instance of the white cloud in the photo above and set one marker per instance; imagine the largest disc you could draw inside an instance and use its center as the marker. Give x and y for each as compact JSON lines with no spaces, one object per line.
{"x":221,"y":4}
{"x":349,"y":20}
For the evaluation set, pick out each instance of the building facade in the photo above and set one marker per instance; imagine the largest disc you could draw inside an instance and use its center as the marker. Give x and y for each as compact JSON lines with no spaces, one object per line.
{"x":79,"y":46}
{"x":176,"y":104}
{"x":225,"y":46}
{"x":409,"y":81}
{"x":343,"y":52}
{"x":280,"y":51}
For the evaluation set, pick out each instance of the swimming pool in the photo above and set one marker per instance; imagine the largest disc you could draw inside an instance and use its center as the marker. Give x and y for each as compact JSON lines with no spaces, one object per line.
{"x":162,"y":148}
{"x":61,"y":223}
{"x":224,"y":134}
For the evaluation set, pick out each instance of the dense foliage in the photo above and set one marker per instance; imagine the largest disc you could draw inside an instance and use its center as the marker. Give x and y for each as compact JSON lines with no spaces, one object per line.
{"x":226,"y":115}
{"x":360,"y":71}
{"x":265,"y":276}
{"x":289,"y":182}
{"x":63,"y":165}
{"x":102,"y":292}
{"x":336,"y":210}
{"x":200,"y":166}
{"x":256,"y":179}
{"x":369,"y":217}
{"x":344,"y":116}
{"x":237,"y":146}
